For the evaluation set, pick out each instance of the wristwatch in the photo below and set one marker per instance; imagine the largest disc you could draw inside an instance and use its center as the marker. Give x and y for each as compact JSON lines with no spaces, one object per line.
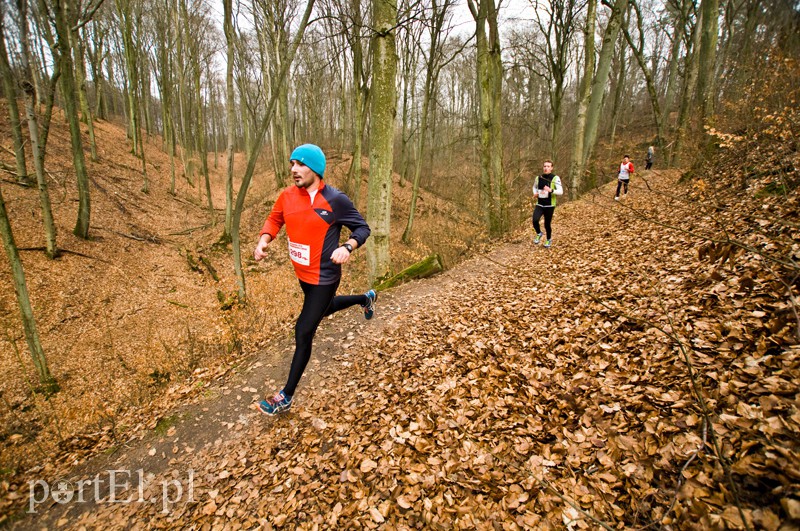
{"x":348,"y":247}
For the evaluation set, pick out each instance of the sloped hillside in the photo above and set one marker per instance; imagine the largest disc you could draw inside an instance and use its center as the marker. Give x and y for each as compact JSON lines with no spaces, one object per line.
{"x":624,"y":378}
{"x":140,"y":306}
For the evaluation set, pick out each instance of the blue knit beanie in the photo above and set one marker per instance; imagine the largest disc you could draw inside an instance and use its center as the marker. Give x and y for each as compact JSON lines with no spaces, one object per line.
{"x":310,"y":155}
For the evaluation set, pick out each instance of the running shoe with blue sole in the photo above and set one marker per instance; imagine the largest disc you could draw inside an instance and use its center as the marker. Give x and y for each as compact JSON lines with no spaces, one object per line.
{"x":276,"y":404}
{"x":369,"y":308}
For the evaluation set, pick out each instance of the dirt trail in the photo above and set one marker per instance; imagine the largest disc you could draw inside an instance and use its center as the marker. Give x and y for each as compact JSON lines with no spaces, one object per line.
{"x":228,"y":405}
{"x":520,"y":386}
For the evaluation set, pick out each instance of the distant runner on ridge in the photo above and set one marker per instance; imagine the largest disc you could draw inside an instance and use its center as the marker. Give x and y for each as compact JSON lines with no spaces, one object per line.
{"x":624,"y":176}
{"x":648,"y":159}
{"x":314,"y":215}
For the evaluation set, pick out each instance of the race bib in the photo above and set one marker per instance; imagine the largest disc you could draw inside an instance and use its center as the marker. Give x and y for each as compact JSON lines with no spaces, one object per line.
{"x":543,"y":194}
{"x":300,"y":253}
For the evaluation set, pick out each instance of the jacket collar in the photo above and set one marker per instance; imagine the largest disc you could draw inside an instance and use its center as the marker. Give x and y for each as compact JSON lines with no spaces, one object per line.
{"x":303,"y":191}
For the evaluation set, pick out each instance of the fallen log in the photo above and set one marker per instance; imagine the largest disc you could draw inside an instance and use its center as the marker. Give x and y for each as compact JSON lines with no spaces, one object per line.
{"x":424,"y":268}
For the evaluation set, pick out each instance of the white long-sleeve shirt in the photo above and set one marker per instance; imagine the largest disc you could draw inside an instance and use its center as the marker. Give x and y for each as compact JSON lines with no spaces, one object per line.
{"x":547,"y":199}
{"x":625,"y":170}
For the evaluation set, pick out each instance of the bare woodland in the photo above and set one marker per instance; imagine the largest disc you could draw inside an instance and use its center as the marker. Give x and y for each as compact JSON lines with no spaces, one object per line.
{"x":162,"y":129}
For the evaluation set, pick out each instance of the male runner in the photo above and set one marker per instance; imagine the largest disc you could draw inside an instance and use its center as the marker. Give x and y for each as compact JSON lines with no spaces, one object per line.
{"x":314,"y":215}
{"x":545,"y":187}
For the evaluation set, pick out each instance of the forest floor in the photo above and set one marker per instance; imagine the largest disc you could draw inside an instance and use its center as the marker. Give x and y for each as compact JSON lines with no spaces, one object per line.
{"x":148,"y":303}
{"x":643,"y":372}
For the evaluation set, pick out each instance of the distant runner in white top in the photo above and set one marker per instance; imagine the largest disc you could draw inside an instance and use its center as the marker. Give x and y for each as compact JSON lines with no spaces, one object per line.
{"x":545,"y":189}
{"x":624,"y":176}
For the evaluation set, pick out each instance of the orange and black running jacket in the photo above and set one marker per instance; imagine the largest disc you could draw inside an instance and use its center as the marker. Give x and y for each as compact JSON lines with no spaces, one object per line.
{"x":313,"y":230}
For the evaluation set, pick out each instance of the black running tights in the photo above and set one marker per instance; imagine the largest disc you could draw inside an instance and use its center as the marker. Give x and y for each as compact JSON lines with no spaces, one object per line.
{"x":620,"y":182}
{"x":547,"y":212}
{"x":319,"y":301}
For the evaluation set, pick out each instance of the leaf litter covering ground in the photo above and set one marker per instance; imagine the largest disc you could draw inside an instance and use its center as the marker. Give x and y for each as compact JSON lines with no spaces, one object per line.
{"x":137,"y":309}
{"x":549,"y":391}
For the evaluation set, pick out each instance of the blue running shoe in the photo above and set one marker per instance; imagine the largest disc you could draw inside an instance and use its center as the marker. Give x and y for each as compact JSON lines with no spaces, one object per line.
{"x":277,"y":404}
{"x":548,"y":243}
{"x":369,"y":308}
{"x":537,"y":239}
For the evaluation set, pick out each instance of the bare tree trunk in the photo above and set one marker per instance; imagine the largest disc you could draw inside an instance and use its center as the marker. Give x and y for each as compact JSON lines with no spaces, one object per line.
{"x":407,"y":69}
{"x":38,"y":144}
{"x":281,"y":119}
{"x":649,"y":75}
{"x":169,"y":138}
{"x":381,"y":142}
{"x":146,"y":101}
{"x":496,"y":127}
{"x":63,"y":20}
{"x":408,"y":72}
{"x":230,"y":116}
{"x":557,"y":30}
{"x":42,"y":18}
{"x":675,"y":51}
{"x":180,"y":61}
{"x":494,"y":200}
{"x":420,"y":149}
{"x":432,"y":69}
{"x":706,"y":81}
{"x":584,"y":94}
{"x":480,"y":14}
{"x":110,"y":76}
{"x":97,"y":54}
{"x":80,"y":71}
{"x":346,"y":106}
{"x":689,"y":84}
{"x":354,"y":172}
{"x":202,"y":149}
{"x":739,"y":74}
{"x":13,"y":109}
{"x":23,"y":299}
{"x":360,"y":100}
{"x":214,"y":107}
{"x":145,"y":181}
{"x":274,"y":44}
{"x":126,"y":14}
{"x":601,"y":77}
{"x":279,"y":130}
{"x":619,"y":88}
{"x":165,"y":32}
{"x":253,"y":155}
